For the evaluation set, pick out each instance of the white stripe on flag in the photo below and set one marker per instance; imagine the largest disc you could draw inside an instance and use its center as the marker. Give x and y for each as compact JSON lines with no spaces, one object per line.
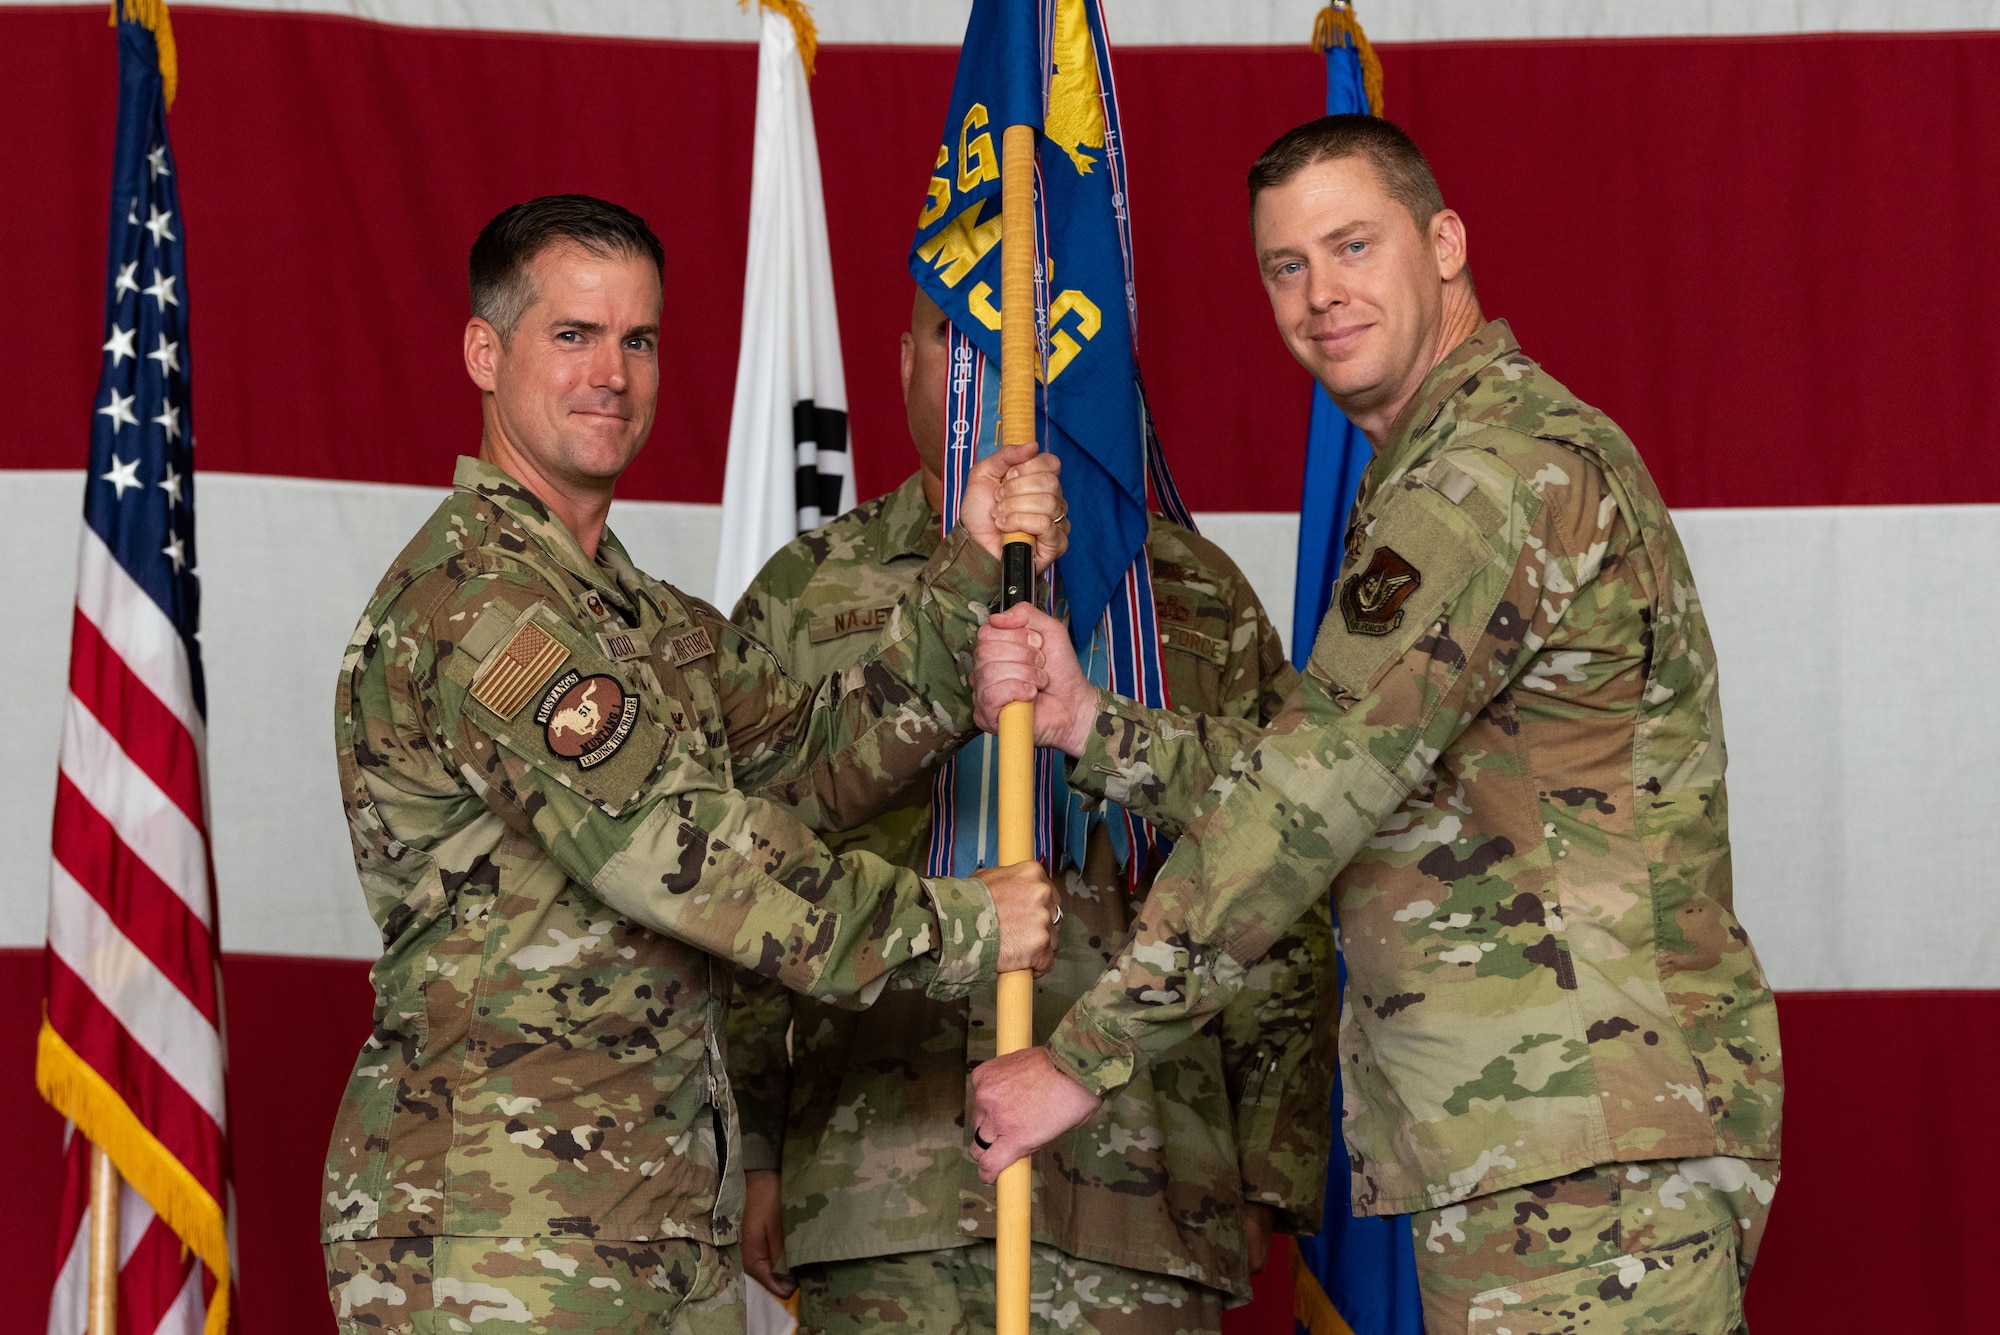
{"x":146,"y":819}
{"x":157,"y":1014}
{"x":137,"y":631}
{"x":187,"y":1315}
{"x":69,"y":1300}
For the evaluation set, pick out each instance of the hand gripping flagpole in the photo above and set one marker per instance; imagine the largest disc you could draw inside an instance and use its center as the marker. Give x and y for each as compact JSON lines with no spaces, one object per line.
{"x":1016,"y":1005}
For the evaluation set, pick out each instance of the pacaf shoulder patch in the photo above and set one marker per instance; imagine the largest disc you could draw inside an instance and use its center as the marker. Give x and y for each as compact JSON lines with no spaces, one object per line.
{"x":586,"y":719}
{"x":1371,"y":600}
{"x":1426,"y":549}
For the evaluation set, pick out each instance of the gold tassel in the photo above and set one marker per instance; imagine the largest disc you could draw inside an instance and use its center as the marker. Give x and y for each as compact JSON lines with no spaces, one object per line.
{"x":152,"y":16}
{"x":803,"y":28}
{"x":79,"y":1093}
{"x":1311,"y":1307}
{"x":1338,"y":26}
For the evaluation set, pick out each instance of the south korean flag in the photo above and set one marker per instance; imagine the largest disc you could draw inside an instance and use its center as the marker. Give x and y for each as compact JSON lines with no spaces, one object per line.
{"x":789,"y":469}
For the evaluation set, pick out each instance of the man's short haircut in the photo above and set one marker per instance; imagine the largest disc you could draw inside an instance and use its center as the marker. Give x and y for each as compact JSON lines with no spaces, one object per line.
{"x":1397,"y":159}
{"x":501,"y":288}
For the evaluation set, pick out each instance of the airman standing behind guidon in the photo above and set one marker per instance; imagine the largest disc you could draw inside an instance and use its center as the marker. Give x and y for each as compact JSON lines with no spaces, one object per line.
{"x":1558,"y":1048}
{"x":1152,"y":1217}
{"x":579,"y":799}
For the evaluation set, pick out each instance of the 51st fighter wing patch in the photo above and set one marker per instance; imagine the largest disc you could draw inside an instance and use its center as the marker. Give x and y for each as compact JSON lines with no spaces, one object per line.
{"x":586,"y":719}
{"x":1371,"y":600}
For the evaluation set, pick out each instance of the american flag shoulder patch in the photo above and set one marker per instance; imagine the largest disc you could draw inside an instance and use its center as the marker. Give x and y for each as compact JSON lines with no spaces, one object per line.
{"x":511,"y":673}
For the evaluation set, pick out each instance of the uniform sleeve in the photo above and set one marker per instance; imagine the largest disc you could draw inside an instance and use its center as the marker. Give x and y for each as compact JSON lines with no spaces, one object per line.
{"x":842,"y":750}
{"x":759,"y":1064}
{"x":1278,"y":1034}
{"x":651,"y":821}
{"x":1448,"y":603}
{"x":1157,"y":764}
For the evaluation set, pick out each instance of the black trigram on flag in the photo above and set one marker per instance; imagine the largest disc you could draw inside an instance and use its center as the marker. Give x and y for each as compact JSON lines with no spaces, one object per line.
{"x":823,"y":467}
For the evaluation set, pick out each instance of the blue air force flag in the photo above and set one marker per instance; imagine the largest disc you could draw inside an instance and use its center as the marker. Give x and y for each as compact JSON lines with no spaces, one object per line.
{"x":1047,"y":64}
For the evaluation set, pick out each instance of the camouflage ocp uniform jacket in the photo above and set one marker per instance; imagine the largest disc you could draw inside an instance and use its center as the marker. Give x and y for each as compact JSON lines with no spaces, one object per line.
{"x":1507,"y":747}
{"x":867,"y":1118}
{"x":578,"y":800}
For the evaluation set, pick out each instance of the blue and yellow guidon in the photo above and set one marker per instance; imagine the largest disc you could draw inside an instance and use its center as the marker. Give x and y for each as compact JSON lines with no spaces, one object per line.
{"x":1043,"y":63}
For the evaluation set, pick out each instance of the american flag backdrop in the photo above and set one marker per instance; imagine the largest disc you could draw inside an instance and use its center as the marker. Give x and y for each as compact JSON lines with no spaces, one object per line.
{"x":131,"y":1041}
{"x":1758,"y":234}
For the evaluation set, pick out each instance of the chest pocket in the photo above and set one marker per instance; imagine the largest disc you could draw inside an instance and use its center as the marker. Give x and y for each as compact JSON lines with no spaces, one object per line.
{"x":547,"y":693}
{"x":1415,"y":558}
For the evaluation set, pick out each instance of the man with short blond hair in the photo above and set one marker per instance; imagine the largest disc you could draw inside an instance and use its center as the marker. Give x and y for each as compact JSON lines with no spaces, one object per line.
{"x":1505,"y":754}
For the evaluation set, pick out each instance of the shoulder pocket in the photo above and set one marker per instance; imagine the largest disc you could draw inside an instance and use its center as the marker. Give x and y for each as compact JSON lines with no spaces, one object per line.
{"x":547,"y":693}
{"x":1419,"y":554}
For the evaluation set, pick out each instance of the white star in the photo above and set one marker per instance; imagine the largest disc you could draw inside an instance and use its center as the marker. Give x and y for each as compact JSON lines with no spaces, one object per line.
{"x":171,"y":485}
{"x":175,"y":552}
{"x":128,"y":280}
{"x":162,"y":290}
{"x":168,"y":355}
{"x":120,"y":347}
{"x":122,"y":475}
{"x":157,"y":162}
{"x":119,"y":410}
{"x":132,"y":213}
{"x":156,"y":223}
{"x":170,"y":418}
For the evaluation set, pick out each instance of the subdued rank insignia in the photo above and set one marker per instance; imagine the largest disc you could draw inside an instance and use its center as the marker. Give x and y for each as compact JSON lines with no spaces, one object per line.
{"x":1371,"y":600}
{"x":509,"y":676}
{"x":686,"y":648}
{"x":586,"y":719}
{"x":620,"y":646}
{"x":593,"y":603}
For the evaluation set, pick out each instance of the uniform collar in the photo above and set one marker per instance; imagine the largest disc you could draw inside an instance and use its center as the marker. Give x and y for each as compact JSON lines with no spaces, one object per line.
{"x":609,"y":574}
{"x":1408,"y":437}
{"x":908,"y":525}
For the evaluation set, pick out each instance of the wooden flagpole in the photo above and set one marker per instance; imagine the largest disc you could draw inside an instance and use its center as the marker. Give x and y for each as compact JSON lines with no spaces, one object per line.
{"x":1016,"y":1007}
{"x":104,"y":1205}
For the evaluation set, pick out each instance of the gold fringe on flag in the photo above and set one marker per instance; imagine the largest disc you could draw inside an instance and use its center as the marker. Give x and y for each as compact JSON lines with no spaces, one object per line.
{"x":1338,"y":26}
{"x":1311,"y":1307}
{"x":802,"y":26}
{"x":152,"y":16}
{"x":79,"y":1093}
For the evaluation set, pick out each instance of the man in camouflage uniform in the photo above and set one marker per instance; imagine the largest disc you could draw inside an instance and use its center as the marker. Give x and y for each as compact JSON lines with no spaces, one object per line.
{"x":578,"y":799}
{"x":1558,"y":1048}
{"x":1142,"y":1213}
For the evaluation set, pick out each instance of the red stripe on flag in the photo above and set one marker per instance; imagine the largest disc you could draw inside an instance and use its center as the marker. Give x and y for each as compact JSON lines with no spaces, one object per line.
{"x":150,"y":734}
{"x":144,"y":907}
{"x":1699,"y":281}
{"x":151,"y":1278}
{"x":167,"y":1110}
